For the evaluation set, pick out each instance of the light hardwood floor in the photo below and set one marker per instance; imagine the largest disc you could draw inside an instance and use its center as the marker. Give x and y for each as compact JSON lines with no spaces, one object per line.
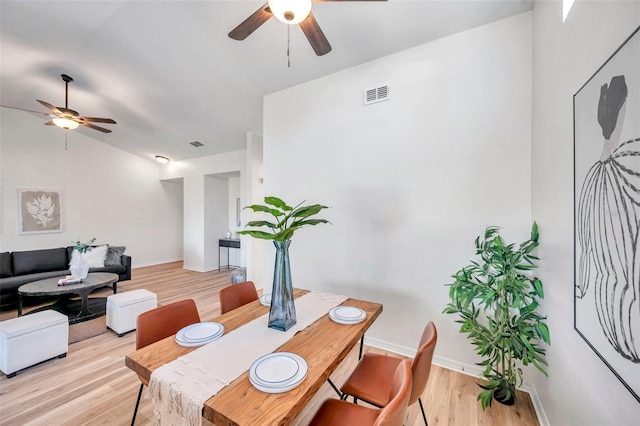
{"x":92,"y":386}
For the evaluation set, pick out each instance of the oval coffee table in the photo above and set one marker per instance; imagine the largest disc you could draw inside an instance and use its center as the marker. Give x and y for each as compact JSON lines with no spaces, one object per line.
{"x":88,"y":309}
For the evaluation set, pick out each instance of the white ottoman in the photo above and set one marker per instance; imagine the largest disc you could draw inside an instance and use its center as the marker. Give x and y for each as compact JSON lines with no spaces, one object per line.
{"x":123,"y":309}
{"x":31,"y":339}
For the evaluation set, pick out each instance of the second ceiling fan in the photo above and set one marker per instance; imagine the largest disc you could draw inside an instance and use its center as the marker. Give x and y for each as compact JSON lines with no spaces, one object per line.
{"x":290,"y":12}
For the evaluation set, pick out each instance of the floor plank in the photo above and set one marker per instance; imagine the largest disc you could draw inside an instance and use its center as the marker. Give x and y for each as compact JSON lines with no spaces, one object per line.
{"x":92,"y":386}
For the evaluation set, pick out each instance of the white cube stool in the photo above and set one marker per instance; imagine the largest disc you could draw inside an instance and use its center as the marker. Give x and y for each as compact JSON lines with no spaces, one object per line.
{"x":32,"y":339}
{"x":123,"y":309}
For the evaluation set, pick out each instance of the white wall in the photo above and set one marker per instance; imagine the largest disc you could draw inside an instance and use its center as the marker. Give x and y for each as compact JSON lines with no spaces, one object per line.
{"x":216,"y":213}
{"x":411,"y":181}
{"x":255,"y":195}
{"x":580,"y":390}
{"x":107,"y":193}
{"x":202,"y":229}
{"x":234,"y":194}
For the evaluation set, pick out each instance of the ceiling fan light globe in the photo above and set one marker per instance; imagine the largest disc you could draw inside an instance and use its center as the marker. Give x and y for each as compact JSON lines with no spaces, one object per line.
{"x":162,"y":159}
{"x":65,"y":123}
{"x":290,"y":11}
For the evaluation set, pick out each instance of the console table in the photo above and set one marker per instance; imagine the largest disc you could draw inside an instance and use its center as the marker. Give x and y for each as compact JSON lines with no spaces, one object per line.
{"x":229,"y":243}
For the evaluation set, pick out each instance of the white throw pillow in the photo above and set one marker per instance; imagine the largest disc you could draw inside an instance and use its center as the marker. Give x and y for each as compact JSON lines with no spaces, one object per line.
{"x":95,"y":257}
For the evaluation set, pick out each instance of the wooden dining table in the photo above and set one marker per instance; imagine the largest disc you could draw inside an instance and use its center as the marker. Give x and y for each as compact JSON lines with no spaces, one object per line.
{"x":323,"y":344}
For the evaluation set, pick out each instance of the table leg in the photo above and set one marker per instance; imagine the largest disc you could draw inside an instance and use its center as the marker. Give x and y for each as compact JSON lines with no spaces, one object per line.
{"x":19,"y":305}
{"x":84,"y":305}
{"x":115,"y":287}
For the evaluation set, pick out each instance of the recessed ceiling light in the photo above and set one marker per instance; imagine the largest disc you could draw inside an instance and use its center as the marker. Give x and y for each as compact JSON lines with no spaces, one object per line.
{"x":162,"y":159}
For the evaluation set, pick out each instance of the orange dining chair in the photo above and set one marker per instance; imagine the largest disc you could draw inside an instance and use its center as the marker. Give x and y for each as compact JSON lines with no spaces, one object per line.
{"x":371,"y":379}
{"x":236,"y":295}
{"x":338,"y":412}
{"x":159,"y":323}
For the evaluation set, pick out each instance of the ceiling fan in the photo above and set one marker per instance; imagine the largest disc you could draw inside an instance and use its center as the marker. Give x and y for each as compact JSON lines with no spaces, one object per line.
{"x":66,"y":118}
{"x":290,"y":12}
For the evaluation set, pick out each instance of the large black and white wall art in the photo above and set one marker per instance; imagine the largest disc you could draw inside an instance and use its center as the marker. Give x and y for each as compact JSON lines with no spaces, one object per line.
{"x":607,"y":212}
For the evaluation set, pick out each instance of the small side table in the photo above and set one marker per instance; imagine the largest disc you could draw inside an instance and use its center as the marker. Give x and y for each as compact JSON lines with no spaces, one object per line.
{"x":229,"y":243}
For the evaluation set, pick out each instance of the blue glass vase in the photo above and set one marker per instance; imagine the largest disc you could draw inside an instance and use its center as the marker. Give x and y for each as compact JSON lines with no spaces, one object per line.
{"x":282,"y":314}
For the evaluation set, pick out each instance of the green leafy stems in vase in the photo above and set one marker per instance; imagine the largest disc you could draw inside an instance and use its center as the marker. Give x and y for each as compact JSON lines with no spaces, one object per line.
{"x":497,"y":299}
{"x":286,"y":220}
{"x":83,"y":247}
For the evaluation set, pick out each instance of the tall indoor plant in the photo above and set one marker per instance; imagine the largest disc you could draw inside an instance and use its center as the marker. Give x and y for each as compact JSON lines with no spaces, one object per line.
{"x":497,"y":300}
{"x":286,"y":220}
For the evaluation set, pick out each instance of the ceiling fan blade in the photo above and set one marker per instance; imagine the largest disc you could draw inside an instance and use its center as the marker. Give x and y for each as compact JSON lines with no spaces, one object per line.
{"x":51,"y":107}
{"x":314,"y":34}
{"x":252,"y":23}
{"x":97,"y":120}
{"x":27,"y":110}
{"x":91,"y":126}
{"x":49,"y":123}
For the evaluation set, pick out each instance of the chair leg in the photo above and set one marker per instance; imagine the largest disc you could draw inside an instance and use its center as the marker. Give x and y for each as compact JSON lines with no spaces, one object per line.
{"x":334,"y":388}
{"x":424,"y":416}
{"x":341,"y":395}
{"x":133,"y":420}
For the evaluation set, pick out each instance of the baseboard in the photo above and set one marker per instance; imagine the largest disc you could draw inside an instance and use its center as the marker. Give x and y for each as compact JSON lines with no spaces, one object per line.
{"x":461,"y":367}
{"x":194,"y":268}
{"x":537,"y":404}
{"x":207,"y":268}
{"x":159,"y":262}
{"x":388,"y":346}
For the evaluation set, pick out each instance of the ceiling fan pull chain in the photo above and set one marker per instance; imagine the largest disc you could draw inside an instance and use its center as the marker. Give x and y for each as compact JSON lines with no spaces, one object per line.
{"x":288,"y":46}
{"x":66,"y":135}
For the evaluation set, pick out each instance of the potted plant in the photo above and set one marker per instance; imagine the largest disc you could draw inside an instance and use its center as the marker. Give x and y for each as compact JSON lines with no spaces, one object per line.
{"x":286,"y":220}
{"x":497,"y":298}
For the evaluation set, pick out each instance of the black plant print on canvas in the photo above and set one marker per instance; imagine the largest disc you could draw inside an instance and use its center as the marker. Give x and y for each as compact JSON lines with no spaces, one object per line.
{"x":608,"y":225}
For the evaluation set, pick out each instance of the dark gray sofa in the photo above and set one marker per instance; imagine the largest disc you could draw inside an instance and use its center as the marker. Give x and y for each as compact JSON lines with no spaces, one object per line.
{"x":22,"y":267}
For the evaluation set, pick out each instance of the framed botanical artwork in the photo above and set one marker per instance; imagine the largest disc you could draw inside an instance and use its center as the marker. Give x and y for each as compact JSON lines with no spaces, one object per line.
{"x":39,"y":211}
{"x":607,"y":213}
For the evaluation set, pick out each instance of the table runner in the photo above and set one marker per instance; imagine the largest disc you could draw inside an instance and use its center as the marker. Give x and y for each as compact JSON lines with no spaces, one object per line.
{"x":180,"y":388}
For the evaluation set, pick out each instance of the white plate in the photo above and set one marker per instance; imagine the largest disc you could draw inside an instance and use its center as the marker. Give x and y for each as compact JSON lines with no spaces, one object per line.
{"x":189,"y":343}
{"x":192,"y":344}
{"x":339,"y":321}
{"x":348,"y":313}
{"x":293,"y":383}
{"x":265,"y":299}
{"x":275,"y":370}
{"x":201,"y":331}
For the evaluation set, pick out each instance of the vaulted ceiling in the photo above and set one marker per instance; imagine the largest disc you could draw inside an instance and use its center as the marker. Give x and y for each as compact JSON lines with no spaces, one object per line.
{"x":167,"y":72}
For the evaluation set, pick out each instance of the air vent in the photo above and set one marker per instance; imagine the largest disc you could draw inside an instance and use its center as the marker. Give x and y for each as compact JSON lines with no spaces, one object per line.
{"x":196,"y":144}
{"x":376,"y":94}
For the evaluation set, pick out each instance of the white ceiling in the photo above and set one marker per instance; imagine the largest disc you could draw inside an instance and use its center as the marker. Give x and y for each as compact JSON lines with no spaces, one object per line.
{"x":169,"y":75}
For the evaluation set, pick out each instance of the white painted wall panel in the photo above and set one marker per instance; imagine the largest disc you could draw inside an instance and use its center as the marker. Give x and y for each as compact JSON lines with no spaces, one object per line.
{"x":107,"y":193}
{"x":580,"y":390}
{"x":410,"y":181}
